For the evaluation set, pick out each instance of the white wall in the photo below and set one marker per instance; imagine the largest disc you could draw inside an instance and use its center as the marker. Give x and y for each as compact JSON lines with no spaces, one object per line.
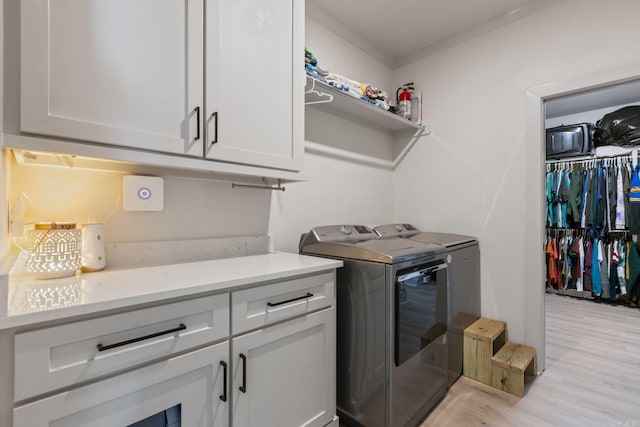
{"x":472,"y":174}
{"x":193,"y":208}
{"x":340,"y":191}
{"x":336,"y":55}
{"x":4,"y":186}
{"x":4,"y":190}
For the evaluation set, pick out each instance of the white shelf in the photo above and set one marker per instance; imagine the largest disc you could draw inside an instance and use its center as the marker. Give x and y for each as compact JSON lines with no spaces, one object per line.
{"x":321,"y":96}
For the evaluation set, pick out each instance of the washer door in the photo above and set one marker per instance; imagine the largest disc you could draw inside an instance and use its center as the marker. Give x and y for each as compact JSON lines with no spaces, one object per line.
{"x":419,"y":374}
{"x":420,"y":308}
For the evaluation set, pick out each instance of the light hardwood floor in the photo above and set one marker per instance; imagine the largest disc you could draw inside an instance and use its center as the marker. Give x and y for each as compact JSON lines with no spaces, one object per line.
{"x":592,"y":376}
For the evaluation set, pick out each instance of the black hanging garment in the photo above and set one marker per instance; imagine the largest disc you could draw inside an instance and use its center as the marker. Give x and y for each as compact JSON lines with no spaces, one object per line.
{"x":634,"y":202}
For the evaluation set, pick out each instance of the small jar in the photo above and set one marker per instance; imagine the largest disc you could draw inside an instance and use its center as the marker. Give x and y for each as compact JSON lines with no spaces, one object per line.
{"x":93,"y":257}
{"x":54,"y":250}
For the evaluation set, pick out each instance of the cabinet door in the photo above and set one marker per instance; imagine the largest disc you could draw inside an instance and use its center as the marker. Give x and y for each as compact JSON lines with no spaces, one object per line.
{"x":118,"y":72}
{"x":189,"y":385}
{"x":287,"y":373}
{"x":255,"y":82}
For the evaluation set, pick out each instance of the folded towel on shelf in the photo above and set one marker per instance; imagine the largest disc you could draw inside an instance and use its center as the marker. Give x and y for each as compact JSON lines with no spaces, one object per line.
{"x":355,"y":93}
{"x":338,"y":85}
{"x":322,"y":72}
{"x":362,"y":91}
{"x":369,"y":100}
{"x":310,"y":60}
{"x":315,"y":75}
{"x":344,"y":80}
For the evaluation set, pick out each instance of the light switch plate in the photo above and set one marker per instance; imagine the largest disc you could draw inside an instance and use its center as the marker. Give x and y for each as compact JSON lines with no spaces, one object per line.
{"x":143,"y":193}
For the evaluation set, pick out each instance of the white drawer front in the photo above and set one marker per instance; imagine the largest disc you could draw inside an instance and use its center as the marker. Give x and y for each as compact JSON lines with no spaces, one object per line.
{"x":51,"y":358}
{"x":262,"y":305}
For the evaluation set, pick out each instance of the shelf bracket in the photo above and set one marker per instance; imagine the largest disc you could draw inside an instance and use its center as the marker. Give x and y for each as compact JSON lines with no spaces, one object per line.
{"x":315,"y":91}
{"x":266,"y":186}
{"x":419,"y":133}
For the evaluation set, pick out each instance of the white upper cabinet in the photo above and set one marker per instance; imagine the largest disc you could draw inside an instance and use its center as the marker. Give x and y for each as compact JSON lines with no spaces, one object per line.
{"x":119,"y":72}
{"x":255,"y":82}
{"x":213,"y":79}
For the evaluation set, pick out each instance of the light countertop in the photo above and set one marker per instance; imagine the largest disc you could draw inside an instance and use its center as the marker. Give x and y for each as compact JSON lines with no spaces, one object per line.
{"x":33,"y":301}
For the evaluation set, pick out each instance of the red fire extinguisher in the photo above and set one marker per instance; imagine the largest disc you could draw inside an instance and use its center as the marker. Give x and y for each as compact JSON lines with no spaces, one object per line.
{"x":404,"y":100}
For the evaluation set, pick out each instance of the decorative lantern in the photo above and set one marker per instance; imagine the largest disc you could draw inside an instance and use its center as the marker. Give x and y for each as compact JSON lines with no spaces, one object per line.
{"x":54,"y":250}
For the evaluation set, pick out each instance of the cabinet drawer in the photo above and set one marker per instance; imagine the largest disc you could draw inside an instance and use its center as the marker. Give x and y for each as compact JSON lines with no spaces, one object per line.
{"x":192,"y":380}
{"x":51,"y":358}
{"x":256,"y":307}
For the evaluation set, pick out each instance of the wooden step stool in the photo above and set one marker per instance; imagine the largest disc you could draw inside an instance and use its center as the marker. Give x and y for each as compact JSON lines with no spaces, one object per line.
{"x":509,"y":366}
{"x":482,"y":339}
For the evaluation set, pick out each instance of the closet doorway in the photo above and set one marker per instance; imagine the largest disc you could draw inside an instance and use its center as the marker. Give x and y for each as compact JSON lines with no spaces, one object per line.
{"x":600,"y":87}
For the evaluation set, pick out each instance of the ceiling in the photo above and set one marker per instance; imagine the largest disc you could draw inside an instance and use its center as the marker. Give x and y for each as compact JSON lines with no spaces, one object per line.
{"x":398,"y":32}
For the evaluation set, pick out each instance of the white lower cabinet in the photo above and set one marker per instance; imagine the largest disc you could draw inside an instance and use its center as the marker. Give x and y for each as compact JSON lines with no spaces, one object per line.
{"x":274,"y":367}
{"x":194,"y":381}
{"x":284,"y":375}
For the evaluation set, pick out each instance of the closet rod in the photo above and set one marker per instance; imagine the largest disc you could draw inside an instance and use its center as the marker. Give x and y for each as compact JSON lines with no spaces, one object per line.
{"x":633,"y":155}
{"x":580,"y":229}
{"x":266,"y":186}
{"x":587,"y":159}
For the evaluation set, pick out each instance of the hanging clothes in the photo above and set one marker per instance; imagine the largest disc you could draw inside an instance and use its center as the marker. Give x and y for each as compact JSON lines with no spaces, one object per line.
{"x":622,"y":277}
{"x":634,"y":201}
{"x":620,"y":222}
{"x":601,"y":201}
{"x":580,"y":268}
{"x":595,"y":268}
{"x":605,"y":268}
{"x":574,"y":211}
{"x":591,"y":209}
{"x":586,"y":277}
{"x":612,"y":193}
{"x":634,"y":273}
{"x":551,"y":264}
{"x":550,"y":198}
{"x":614,"y":280}
{"x":585,"y":197}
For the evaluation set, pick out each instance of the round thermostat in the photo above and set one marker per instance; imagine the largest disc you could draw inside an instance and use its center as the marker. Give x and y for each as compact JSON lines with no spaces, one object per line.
{"x":144,"y":193}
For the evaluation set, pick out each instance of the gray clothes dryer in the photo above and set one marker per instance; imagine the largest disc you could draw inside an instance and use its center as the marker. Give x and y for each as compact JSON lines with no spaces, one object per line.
{"x":463,"y":259}
{"x":391,"y":295}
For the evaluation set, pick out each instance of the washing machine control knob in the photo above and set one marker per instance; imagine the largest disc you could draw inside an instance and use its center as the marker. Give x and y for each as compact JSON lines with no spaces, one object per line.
{"x":346,"y":229}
